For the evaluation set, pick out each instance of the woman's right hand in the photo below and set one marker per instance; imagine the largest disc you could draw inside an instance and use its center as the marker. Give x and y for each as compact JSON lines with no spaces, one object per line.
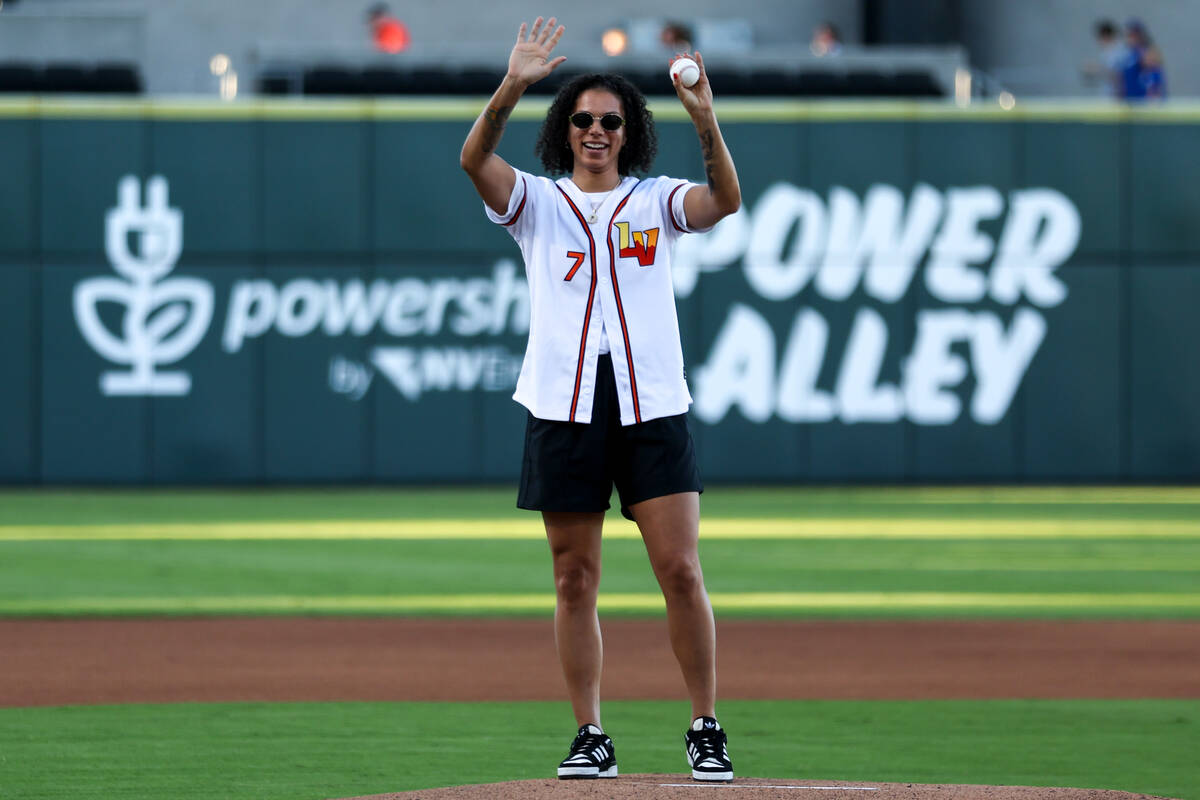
{"x":530,"y":59}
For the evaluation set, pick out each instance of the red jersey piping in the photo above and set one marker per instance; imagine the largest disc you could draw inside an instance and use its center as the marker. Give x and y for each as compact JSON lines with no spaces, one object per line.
{"x":521,"y":205}
{"x":671,"y":208}
{"x":612,"y":262}
{"x":587,"y":317}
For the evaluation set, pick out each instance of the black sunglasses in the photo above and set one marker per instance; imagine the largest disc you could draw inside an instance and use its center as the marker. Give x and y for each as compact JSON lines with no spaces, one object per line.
{"x":610,"y":121}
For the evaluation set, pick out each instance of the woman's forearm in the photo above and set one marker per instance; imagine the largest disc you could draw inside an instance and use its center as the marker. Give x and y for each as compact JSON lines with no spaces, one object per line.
{"x":489,"y":127}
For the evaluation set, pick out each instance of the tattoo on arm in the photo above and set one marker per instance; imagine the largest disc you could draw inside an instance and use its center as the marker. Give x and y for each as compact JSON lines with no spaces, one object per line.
{"x":494,"y":122}
{"x":707,"y":149}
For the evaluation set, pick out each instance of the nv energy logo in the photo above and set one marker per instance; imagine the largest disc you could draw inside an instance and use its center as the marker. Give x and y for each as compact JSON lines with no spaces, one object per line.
{"x":162,"y":319}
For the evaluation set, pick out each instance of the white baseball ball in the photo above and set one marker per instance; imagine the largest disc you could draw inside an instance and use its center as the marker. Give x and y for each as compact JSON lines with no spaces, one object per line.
{"x":687,"y":70}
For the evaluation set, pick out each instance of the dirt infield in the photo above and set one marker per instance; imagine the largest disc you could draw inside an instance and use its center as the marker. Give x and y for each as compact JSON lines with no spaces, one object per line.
{"x":676,"y":787}
{"x":72,"y":661}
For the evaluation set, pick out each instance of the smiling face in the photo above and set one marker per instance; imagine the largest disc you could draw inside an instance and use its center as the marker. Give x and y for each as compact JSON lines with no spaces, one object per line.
{"x":595,"y":149}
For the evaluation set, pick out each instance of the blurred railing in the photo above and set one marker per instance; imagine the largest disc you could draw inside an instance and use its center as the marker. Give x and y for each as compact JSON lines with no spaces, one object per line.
{"x":767,"y":72}
{"x":18,"y":77}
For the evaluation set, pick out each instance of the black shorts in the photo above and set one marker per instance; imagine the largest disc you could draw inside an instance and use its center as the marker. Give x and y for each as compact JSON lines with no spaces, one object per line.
{"x":573,"y":466}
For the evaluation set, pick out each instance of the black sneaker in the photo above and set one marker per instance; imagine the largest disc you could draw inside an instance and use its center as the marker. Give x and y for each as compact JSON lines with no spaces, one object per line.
{"x":706,"y":751}
{"x":592,"y":756}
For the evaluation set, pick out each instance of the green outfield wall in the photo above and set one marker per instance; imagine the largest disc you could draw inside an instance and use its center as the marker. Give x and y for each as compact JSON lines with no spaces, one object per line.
{"x":295,"y":292}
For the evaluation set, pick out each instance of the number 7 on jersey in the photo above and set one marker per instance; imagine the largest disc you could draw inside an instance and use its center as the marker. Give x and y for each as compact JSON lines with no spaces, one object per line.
{"x":575,"y":254}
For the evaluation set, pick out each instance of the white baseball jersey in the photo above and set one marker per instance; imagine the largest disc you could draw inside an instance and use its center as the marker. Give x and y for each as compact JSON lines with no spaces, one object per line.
{"x":617,"y":269}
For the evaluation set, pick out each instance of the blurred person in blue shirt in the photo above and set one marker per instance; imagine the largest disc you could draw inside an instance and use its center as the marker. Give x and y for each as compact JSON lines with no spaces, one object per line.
{"x":1142,"y":73}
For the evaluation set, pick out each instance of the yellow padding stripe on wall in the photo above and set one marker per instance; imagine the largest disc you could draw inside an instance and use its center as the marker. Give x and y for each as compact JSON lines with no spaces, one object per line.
{"x":531,"y":528}
{"x":667,"y":108}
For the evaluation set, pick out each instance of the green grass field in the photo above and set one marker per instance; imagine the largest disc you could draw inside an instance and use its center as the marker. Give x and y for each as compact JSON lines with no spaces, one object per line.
{"x":829,"y":553}
{"x":288,"y":751}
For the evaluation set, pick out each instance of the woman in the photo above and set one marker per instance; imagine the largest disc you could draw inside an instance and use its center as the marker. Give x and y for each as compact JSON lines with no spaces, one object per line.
{"x":603,"y":375}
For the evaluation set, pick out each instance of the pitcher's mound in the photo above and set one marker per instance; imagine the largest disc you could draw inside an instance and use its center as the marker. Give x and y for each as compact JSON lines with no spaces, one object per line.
{"x":680,"y":787}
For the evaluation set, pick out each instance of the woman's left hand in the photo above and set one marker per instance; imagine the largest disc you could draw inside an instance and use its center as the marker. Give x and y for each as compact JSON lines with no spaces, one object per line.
{"x":698,"y":96}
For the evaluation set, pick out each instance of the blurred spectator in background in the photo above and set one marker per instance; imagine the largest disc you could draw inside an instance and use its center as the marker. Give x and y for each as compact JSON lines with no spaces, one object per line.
{"x":1142,"y":74}
{"x":826,"y":40}
{"x":388,"y":34}
{"x":676,"y":37}
{"x":1107,"y":71}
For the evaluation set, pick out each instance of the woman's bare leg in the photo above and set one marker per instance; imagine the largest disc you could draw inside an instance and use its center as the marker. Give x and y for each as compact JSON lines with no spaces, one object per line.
{"x":670,"y":527}
{"x":574,"y":539}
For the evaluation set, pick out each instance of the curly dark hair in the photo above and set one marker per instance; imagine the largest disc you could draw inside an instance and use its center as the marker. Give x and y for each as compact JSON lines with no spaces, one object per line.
{"x":641,"y":142}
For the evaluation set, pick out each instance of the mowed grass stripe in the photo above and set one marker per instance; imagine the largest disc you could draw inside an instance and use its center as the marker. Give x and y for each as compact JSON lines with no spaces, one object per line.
{"x":629,"y":602}
{"x":1008,"y":495}
{"x":727,"y":528}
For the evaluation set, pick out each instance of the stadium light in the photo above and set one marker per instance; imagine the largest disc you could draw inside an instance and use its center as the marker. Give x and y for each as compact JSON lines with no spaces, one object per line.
{"x":614,"y":41}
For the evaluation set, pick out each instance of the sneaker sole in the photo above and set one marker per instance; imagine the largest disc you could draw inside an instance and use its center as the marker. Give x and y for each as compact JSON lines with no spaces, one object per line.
{"x":725,"y":777}
{"x":585,"y":773}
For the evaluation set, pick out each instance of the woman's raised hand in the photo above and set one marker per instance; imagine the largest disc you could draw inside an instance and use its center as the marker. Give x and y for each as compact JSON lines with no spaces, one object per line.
{"x":530,"y":59}
{"x":698,"y":97}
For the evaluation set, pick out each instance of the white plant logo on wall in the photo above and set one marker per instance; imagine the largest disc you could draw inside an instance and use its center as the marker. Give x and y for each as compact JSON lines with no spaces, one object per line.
{"x":162,"y":320}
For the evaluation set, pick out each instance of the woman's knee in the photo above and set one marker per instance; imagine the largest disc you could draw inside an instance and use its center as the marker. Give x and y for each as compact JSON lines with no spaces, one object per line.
{"x":575,"y":548}
{"x":679,"y":576}
{"x":576,"y":580}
